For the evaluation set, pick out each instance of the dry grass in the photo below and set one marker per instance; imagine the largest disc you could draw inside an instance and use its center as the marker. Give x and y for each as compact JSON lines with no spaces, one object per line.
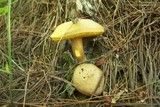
{"x":130,"y":47}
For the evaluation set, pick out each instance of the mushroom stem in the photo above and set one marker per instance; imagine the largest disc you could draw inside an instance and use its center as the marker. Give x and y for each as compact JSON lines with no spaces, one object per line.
{"x":77,"y":48}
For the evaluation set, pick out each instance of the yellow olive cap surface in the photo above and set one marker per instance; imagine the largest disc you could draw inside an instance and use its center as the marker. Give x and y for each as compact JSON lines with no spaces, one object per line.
{"x":86,"y":77}
{"x":83,"y":28}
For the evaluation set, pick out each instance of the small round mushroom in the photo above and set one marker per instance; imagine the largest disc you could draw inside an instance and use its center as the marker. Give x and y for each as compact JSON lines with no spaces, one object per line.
{"x":88,"y":79}
{"x":75,"y":32}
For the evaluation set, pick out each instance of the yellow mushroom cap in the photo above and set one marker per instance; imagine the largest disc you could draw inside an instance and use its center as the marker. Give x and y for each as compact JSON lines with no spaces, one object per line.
{"x":83,"y":28}
{"x":86,"y":77}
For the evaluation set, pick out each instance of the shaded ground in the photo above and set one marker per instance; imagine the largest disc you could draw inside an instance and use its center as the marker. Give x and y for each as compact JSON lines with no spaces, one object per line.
{"x":130,"y":44}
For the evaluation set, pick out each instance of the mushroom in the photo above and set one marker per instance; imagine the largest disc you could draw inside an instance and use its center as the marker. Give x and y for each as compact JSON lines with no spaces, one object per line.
{"x":88,"y":79}
{"x":75,"y":32}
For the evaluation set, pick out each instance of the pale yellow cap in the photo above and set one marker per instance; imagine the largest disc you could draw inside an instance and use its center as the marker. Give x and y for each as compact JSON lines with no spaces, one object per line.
{"x":83,"y":28}
{"x":86,"y":78}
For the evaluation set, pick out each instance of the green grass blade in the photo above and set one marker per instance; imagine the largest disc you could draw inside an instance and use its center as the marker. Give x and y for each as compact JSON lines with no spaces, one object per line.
{"x":9,"y":50}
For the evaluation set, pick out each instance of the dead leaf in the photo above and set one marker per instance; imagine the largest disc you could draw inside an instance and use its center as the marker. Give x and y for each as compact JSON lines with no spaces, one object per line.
{"x":101,"y":61}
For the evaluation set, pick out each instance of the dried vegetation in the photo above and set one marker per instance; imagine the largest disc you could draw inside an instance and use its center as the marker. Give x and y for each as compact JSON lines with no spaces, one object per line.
{"x":128,"y":53}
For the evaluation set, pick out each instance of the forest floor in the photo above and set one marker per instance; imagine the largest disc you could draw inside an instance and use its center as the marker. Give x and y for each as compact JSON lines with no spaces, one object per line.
{"x":42,"y":68}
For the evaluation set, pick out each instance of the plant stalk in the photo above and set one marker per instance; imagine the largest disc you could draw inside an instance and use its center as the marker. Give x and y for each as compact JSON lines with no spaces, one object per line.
{"x":9,"y":51}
